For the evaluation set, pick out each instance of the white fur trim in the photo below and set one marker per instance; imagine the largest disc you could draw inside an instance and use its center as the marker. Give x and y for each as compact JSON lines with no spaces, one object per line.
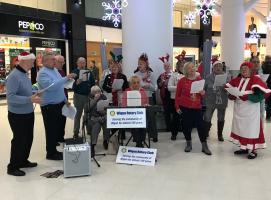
{"x":229,"y":85}
{"x":248,"y":146}
{"x":261,"y":88}
{"x":28,"y":57}
{"x":217,"y":62}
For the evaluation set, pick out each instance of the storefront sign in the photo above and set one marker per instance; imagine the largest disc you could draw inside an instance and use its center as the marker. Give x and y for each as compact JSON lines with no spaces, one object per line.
{"x":28,"y":26}
{"x":136,"y":156}
{"x":126,"y":118}
{"x":48,"y":43}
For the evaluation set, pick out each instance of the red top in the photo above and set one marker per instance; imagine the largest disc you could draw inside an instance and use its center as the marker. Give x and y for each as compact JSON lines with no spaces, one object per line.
{"x":200,"y":69}
{"x":184,"y":98}
{"x":144,"y":97}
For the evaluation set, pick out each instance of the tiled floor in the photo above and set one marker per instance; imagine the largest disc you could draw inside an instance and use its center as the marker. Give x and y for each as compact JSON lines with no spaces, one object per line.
{"x":177,"y":175}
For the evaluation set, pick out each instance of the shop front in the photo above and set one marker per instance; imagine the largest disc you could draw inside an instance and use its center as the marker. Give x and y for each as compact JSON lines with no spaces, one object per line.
{"x":39,"y":36}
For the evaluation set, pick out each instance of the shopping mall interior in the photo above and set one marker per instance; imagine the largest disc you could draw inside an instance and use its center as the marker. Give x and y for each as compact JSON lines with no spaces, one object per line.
{"x":210,"y":32}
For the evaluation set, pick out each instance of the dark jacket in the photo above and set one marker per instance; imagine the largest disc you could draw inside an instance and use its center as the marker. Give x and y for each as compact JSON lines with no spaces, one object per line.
{"x":84,"y":87}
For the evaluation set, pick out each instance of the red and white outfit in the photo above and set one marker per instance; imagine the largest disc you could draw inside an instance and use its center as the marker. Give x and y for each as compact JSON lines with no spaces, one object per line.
{"x":247,"y":130}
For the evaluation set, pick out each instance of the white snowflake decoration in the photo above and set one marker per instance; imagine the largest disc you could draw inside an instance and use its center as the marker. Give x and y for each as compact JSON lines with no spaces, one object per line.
{"x":190,"y":19}
{"x":253,"y":34}
{"x":268,"y":21}
{"x":113,"y":11}
{"x":204,"y":9}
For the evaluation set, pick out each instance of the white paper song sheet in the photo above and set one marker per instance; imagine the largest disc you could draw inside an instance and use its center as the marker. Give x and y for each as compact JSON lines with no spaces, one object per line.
{"x":133,"y":98}
{"x":234,"y":91}
{"x":220,"y":80}
{"x":69,"y":84}
{"x":69,"y":111}
{"x":197,"y":86}
{"x":44,"y":89}
{"x":83,"y":74}
{"x":264,"y":77}
{"x":117,"y":84}
{"x":102,"y":104}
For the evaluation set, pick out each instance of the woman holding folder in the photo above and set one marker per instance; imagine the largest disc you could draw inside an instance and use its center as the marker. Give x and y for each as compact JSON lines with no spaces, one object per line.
{"x":189,"y":104}
{"x":247,"y":130}
{"x":216,"y":98}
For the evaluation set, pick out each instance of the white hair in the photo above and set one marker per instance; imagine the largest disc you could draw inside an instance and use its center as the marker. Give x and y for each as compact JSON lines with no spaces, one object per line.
{"x":95,"y":89}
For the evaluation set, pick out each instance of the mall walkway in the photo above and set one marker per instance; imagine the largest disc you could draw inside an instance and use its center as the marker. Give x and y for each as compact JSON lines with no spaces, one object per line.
{"x":177,"y":175}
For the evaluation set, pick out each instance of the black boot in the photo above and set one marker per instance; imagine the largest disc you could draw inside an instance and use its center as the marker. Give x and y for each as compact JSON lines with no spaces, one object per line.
{"x":220,"y":126}
{"x":188,"y":147}
{"x":174,"y":136}
{"x":92,"y":150}
{"x":207,"y":127}
{"x":205,"y":149}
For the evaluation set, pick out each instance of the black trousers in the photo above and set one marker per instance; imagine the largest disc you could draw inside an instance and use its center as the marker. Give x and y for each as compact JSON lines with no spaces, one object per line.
{"x":175,"y":119}
{"x":167,"y":112}
{"x":139,"y":135}
{"x":268,"y":107}
{"x":22,"y":126}
{"x":191,"y":118}
{"x":53,"y":123}
{"x":151,"y":120}
{"x":62,"y":131}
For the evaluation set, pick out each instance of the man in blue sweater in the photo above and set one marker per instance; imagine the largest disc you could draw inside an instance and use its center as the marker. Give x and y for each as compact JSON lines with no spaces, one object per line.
{"x":53,"y":99}
{"x":20,"y":101}
{"x":81,"y":88}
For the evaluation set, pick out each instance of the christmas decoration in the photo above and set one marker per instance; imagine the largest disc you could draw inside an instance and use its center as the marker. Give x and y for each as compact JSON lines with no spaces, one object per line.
{"x":205,"y":9}
{"x":268,"y":21}
{"x":113,"y":11}
{"x":190,"y":19}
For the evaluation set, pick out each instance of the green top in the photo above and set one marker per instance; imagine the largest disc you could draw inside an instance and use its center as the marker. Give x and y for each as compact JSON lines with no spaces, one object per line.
{"x":257,"y":96}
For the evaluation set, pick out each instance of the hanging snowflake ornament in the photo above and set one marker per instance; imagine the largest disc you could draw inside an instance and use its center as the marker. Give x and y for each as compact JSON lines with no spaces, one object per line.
{"x":113,"y":11}
{"x":253,"y":34}
{"x":190,"y":19}
{"x":268,"y":21}
{"x":205,"y":9}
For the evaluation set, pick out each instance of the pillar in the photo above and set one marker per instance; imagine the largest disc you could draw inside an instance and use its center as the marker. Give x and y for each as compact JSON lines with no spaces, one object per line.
{"x":147,"y":26}
{"x":268,"y":33}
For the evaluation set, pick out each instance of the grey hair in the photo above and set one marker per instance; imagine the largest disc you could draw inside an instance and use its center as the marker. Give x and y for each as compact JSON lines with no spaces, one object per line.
{"x":81,"y":59}
{"x":185,"y":68}
{"x":95,"y":89}
{"x":47,"y":56}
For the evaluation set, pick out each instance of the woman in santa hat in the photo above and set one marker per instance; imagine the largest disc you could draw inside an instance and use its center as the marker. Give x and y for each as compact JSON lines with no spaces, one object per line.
{"x":247,"y":130}
{"x":172,"y":87}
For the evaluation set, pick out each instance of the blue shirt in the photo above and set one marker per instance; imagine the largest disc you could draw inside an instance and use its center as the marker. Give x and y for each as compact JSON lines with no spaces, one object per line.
{"x":55,"y":94}
{"x":19,"y":92}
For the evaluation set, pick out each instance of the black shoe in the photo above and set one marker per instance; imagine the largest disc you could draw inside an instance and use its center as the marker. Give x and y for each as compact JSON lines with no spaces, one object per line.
{"x":16,"y":172}
{"x":155,"y":139}
{"x":173,"y":137}
{"x":240,"y":152}
{"x":62,"y":140}
{"x":92,"y":152}
{"x":29,"y":164}
{"x":139,"y":145}
{"x":56,"y":156}
{"x":76,"y":136}
{"x":57,"y":144}
{"x":105,"y":144}
{"x":252,"y":155}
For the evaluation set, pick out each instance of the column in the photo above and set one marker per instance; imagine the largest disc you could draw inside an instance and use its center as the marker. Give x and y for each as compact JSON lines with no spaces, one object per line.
{"x":268,"y":33}
{"x":232,"y":33}
{"x":147,"y":26}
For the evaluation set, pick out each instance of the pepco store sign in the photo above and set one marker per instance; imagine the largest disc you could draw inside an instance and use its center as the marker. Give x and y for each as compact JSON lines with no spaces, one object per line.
{"x":33,"y":27}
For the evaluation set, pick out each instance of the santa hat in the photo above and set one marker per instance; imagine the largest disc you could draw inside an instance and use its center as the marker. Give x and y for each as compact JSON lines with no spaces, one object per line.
{"x":217,"y":62}
{"x":165,"y":59}
{"x":181,"y":57}
{"x":26,"y":56}
{"x":248,"y":64}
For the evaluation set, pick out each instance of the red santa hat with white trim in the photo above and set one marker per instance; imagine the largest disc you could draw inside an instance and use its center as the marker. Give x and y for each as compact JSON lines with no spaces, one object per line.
{"x":26,"y":56}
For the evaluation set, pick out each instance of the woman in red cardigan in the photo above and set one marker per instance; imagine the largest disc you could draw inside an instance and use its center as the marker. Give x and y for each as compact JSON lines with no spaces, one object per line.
{"x":190,"y":106}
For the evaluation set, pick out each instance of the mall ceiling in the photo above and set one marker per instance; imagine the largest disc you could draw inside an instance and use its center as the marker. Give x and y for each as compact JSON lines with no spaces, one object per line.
{"x":260,"y":7}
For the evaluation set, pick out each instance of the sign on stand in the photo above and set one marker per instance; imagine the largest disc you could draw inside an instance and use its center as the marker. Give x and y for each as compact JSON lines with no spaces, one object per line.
{"x":126,"y":118}
{"x":136,"y":156}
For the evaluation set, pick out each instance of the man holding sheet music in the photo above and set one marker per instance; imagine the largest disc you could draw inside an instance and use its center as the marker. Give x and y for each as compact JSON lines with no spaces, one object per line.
{"x":83,"y":82}
{"x":53,"y":99}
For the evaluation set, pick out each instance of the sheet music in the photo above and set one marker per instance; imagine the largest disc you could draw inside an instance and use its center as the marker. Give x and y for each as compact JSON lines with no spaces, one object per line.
{"x":117,"y":84}
{"x":69,"y":84}
{"x":220,"y":80}
{"x":197,"y":86}
{"x":133,"y":98}
{"x":264,"y":77}
{"x":69,"y":111}
{"x":102,"y":104}
{"x":44,"y":89}
{"x":83,"y":74}
{"x":234,"y":91}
